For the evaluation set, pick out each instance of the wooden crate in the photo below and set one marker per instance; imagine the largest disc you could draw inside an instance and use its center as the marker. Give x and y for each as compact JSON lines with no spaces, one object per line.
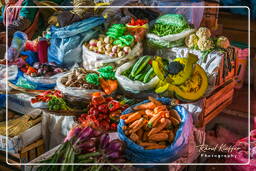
{"x":32,"y":151}
{"x":210,"y":18}
{"x":27,"y":154}
{"x":216,"y":103}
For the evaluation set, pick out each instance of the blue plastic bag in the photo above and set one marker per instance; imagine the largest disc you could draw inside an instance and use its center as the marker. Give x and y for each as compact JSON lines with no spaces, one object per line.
{"x":137,"y":154}
{"x":66,"y":42}
{"x":20,"y":79}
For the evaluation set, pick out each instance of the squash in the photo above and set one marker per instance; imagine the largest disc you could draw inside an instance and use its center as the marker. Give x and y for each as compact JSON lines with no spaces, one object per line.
{"x":160,"y":69}
{"x":194,"y":88}
{"x":185,"y":74}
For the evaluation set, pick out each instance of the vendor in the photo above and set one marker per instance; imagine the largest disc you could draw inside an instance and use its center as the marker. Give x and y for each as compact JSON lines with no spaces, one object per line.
{"x":22,"y":19}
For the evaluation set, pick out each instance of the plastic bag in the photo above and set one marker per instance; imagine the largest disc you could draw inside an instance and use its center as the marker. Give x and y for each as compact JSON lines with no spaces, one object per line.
{"x":93,"y":61}
{"x":74,"y":91}
{"x":137,"y":154}
{"x":66,"y":42}
{"x":168,"y":41}
{"x":22,"y":82}
{"x":130,"y":85}
{"x":12,"y":74}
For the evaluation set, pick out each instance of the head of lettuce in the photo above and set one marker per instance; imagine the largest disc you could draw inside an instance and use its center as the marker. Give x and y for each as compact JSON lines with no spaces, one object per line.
{"x":169,"y":31}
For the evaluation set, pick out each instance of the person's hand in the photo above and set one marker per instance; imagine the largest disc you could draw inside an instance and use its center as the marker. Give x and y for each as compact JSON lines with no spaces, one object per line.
{"x":2,"y":37}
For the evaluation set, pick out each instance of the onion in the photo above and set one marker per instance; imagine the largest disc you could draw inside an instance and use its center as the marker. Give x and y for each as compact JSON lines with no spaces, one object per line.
{"x":86,"y":133}
{"x":104,"y":140}
{"x":115,"y":145}
{"x":114,"y":155}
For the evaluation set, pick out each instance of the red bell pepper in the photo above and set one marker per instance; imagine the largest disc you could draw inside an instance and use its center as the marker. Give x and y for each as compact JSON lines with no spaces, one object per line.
{"x":113,"y":105}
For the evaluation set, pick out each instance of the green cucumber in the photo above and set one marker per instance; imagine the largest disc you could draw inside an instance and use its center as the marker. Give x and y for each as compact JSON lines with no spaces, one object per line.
{"x":148,"y":75}
{"x":139,"y":65}
{"x":127,"y":72}
{"x":142,"y":74}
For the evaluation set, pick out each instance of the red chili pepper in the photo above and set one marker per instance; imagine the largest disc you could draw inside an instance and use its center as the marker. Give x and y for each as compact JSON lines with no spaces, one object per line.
{"x":103,"y":108}
{"x":113,"y":105}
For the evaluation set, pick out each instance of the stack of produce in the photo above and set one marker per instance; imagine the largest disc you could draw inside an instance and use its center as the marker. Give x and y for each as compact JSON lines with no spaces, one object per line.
{"x":46,"y":96}
{"x":114,"y":44}
{"x":53,"y":99}
{"x":46,"y":69}
{"x":137,"y":76}
{"x":103,"y":113}
{"x":152,"y":125}
{"x":169,"y":31}
{"x":141,"y":70}
{"x":203,"y":41}
{"x":86,"y":145}
{"x":88,"y":79}
{"x":181,"y":78}
{"x":19,"y":125}
{"x":137,"y":28}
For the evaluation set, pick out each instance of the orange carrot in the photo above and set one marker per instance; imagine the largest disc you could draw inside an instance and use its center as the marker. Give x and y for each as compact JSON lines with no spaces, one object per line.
{"x":175,"y":114}
{"x":158,"y":137}
{"x":133,"y":118}
{"x":144,"y":144}
{"x":125,"y":116}
{"x":160,"y":108}
{"x":153,"y":119}
{"x":174,"y":121}
{"x":152,"y":99}
{"x":134,"y":137}
{"x":144,"y":106}
{"x":139,"y":126}
{"x":152,"y":147}
{"x":134,"y":124}
{"x":158,"y":128}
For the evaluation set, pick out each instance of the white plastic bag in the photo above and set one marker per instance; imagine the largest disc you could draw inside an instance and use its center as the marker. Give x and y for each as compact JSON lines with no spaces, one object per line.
{"x":130,"y":85}
{"x":74,"y":91}
{"x":12,"y":74}
{"x":94,"y":61}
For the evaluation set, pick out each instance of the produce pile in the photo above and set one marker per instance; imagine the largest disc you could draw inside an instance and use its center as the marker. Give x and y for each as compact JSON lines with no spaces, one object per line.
{"x":141,"y":70}
{"x":152,"y":125}
{"x":54,"y":99}
{"x":203,"y":41}
{"x":181,"y":78}
{"x":169,"y":31}
{"x":88,"y":79}
{"x":46,"y":69}
{"x":46,"y":96}
{"x":86,"y":145}
{"x":115,"y":43}
{"x":103,"y":113}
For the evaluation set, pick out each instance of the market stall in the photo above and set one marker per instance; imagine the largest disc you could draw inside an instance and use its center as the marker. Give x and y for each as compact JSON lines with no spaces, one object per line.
{"x":136,"y":88}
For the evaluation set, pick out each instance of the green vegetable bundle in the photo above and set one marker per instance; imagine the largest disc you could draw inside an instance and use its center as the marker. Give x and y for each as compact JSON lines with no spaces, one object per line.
{"x":141,"y":70}
{"x":169,"y":24}
{"x":86,"y":145}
